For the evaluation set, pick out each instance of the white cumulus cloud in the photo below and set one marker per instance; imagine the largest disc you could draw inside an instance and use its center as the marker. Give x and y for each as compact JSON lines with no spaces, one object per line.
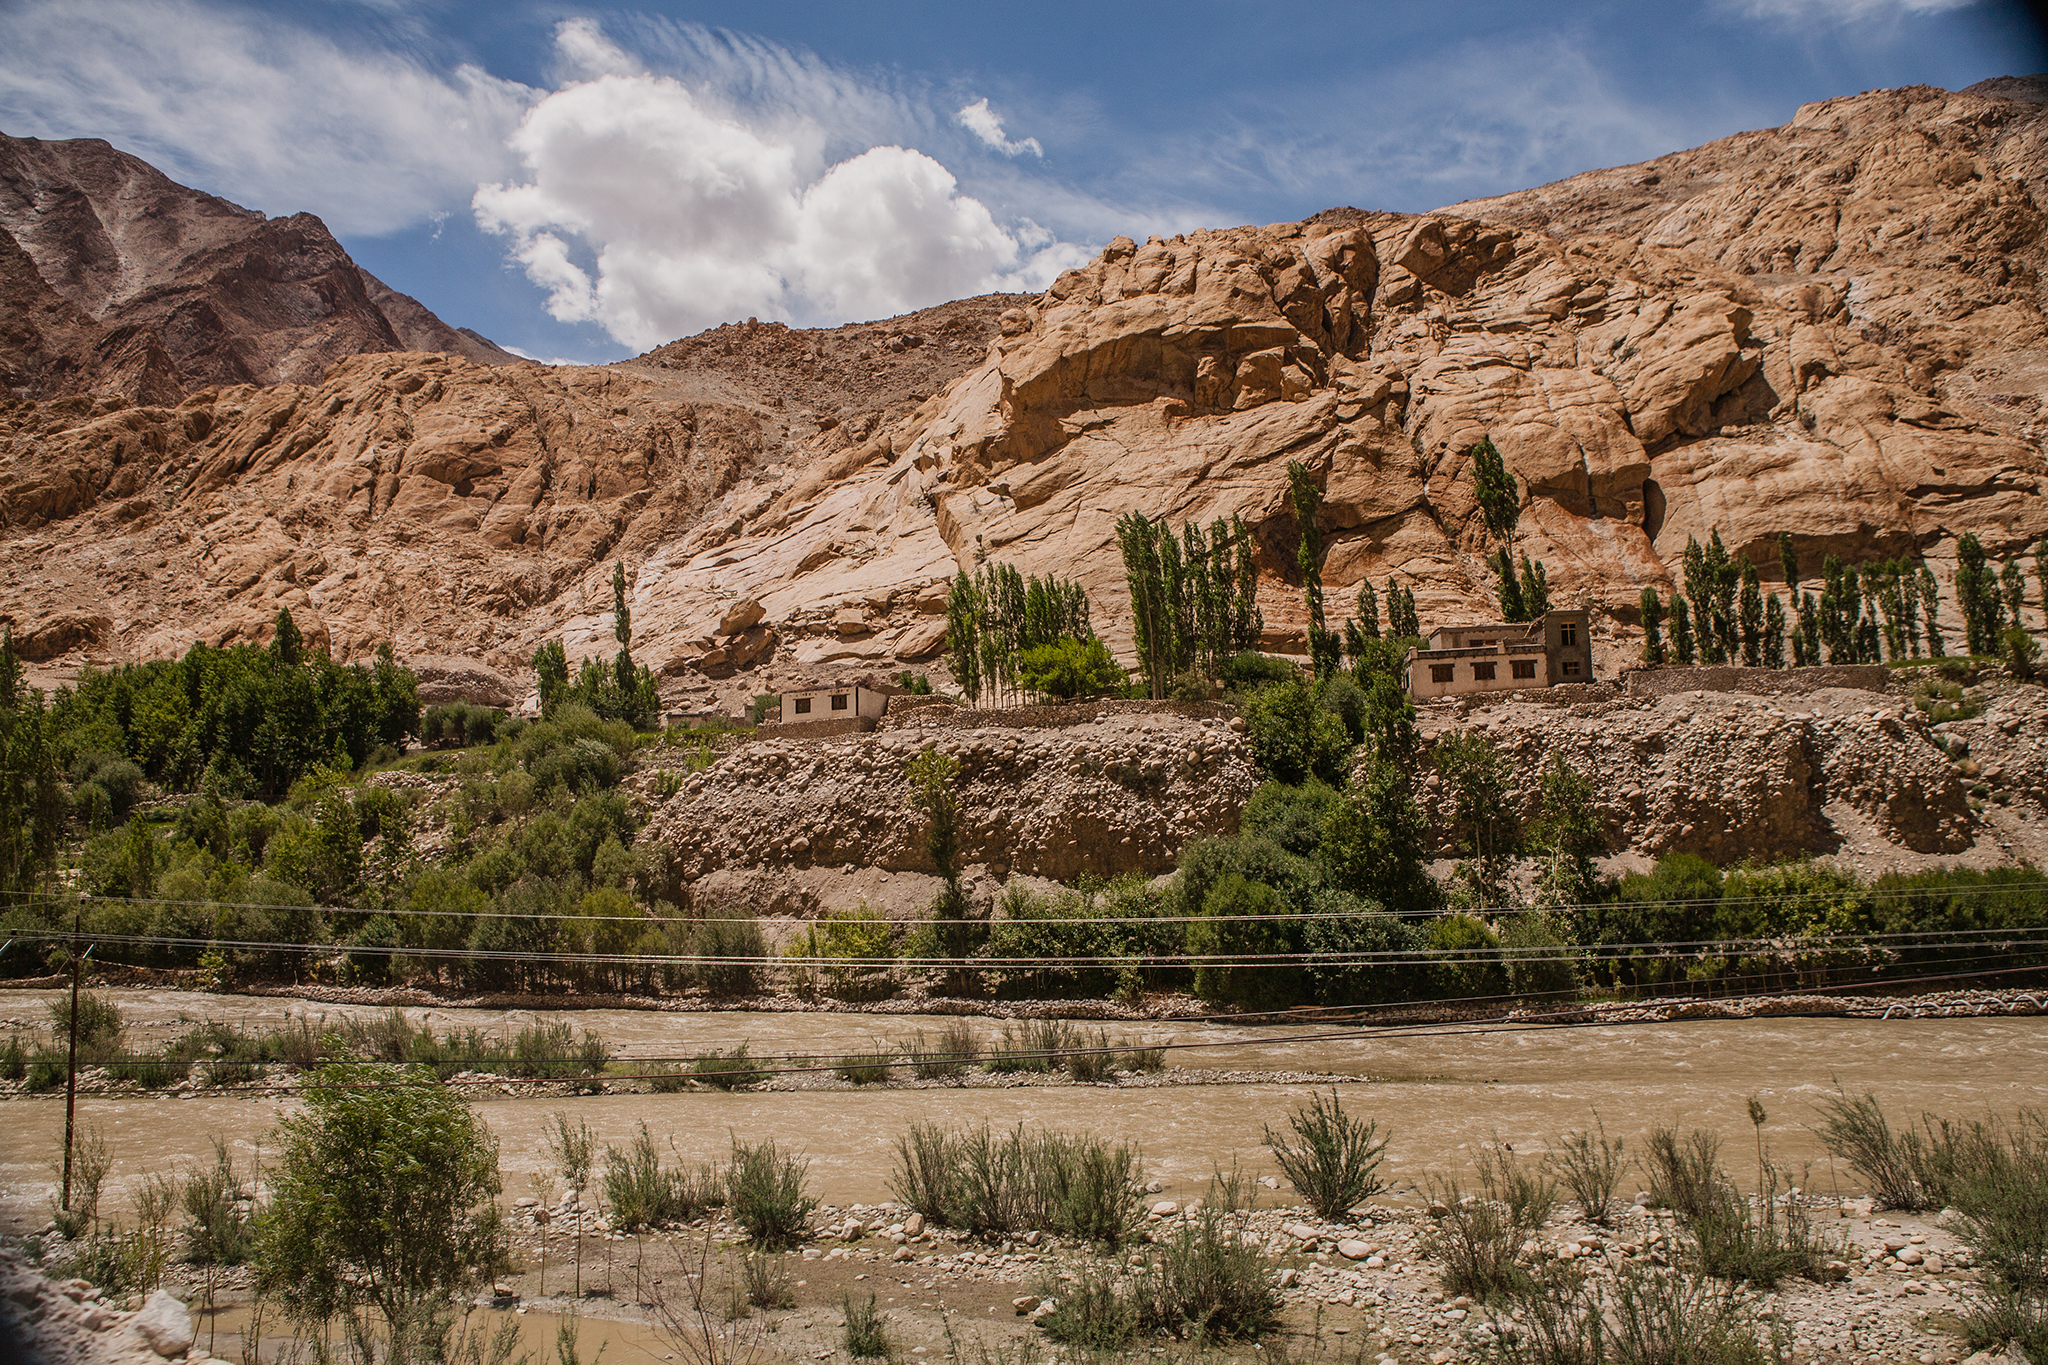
{"x":655,"y":210}
{"x":982,"y":121}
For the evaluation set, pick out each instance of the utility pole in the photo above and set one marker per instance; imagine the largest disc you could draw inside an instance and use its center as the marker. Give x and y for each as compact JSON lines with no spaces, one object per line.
{"x":71,"y":1066}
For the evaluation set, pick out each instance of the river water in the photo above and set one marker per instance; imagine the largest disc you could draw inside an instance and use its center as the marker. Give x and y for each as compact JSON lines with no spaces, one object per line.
{"x":1440,"y":1095}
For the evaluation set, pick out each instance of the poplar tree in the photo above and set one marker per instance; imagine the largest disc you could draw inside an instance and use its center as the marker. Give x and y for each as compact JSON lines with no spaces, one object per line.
{"x":1653,"y":628}
{"x":1308,"y":501}
{"x":1977,"y":597}
{"x":1681,"y":629}
{"x":1774,"y":633}
{"x":1930,"y":607}
{"x":1752,"y":615}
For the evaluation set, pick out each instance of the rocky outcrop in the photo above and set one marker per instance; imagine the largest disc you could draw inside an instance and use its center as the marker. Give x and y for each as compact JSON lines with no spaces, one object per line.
{"x":1108,"y":796}
{"x":175,"y":290}
{"x":1832,"y":329}
{"x":1731,"y":776}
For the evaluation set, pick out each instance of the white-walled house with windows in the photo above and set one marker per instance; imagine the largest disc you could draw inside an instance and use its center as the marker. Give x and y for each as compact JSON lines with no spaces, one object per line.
{"x":833,"y":701}
{"x":1461,"y":660}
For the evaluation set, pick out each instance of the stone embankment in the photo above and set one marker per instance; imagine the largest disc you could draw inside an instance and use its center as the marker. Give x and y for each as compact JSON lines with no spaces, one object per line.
{"x":1117,"y":793}
{"x":1731,"y":775}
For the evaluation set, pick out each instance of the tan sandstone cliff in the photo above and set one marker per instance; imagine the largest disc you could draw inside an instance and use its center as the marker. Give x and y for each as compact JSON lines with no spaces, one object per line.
{"x":1834,"y":328}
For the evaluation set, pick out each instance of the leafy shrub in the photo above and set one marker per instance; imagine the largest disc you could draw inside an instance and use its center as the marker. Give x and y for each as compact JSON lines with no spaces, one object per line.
{"x":989,"y":1182}
{"x":1999,"y":1187}
{"x":1097,"y":1312}
{"x":641,"y":1192}
{"x":727,"y":1070}
{"x":866,"y":1068}
{"x":1759,"y":1248}
{"x":1038,"y":1045}
{"x":1093,"y":1060}
{"x":99,"y":1026}
{"x":866,"y":1335}
{"x":1684,"y":1172}
{"x":13,"y":1059}
{"x":1333,"y":1160}
{"x":1653,"y":1317}
{"x":736,"y":947}
{"x":1143,"y":1059}
{"x":1900,"y":1168}
{"x":1590,"y":1166}
{"x":947,"y":1053}
{"x":765,"y":1194}
{"x":766,"y":1281}
{"x":1469,"y":957}
{"x":1211,"y":1283}
{"x":1479,"y":1236}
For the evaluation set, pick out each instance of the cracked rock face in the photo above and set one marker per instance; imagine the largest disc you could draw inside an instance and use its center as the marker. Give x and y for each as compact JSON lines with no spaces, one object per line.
{"x":1109,"y":797}
{"x":1730,"y":777}
{"x":1832,"y":328}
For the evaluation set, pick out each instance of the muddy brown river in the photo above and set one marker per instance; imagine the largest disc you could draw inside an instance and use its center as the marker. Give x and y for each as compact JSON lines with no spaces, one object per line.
{"x":1439,"y":1094}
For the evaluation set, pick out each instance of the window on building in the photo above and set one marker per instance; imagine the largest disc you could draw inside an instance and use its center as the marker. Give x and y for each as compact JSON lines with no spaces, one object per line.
{"x":1441,"y":672}
{"x":1568,"y":634}
{"x":1482,"y":673}
{"x":803,"y":706}
{"x":1525,"y":668}
{"x":1571,"y":668}
{"x":839,"y":701}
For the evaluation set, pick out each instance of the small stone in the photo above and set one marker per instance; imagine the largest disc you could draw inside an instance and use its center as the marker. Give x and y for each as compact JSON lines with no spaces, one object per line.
{"x":1033,"y":1238}
{"x":1165,"y":1208}
{"x":1024,"y":1303}
{"x":1351,"y":1249}
{"x":904,"y":1254}
{"x":913,"y":1226}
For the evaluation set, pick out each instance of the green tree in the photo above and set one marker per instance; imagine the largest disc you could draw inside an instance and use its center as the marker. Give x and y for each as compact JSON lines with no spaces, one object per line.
{"x":1372,"y":842}
{"x":2012,"y":586}
{"x":1294,"y":736}
{"x":1774,"y":632}
{"x":1568,"y":835}
{"x":1751,"y":614}
{"x":287,"y":645}
{"x":397,"y":697}
{"x":1403,"y":623}
{"x":1930,"y":607}
{"x":1653,"y":628}
{"x":1788,"y":565}
{"x":934,"y":781}
{"x":1681,"y":629}
{"x":1229,"y":942}
{"x":1809,"y":631}
{"x":1493,"y":488}
{"x":2022,"y":652}
{"x":1508,"y":588}
{"x":1323,"y":646}
{"x":551,"y":676}
{"x":382,"y":1209}
{"x":32,"y":804}
{"x":1489,"y":829}
{"x":1977,"y":596}
{"x":1535,"y":590}
{"x":1069,"y":668}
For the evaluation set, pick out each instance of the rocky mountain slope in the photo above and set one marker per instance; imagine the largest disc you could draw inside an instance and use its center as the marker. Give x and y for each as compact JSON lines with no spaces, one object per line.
{"x":1833,"y":328}
{"x":174,"y":290}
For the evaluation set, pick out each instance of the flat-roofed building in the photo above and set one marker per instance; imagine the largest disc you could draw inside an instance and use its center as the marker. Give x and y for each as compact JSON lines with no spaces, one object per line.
{"x":833,"y":701}
{"x":1503,"y":657}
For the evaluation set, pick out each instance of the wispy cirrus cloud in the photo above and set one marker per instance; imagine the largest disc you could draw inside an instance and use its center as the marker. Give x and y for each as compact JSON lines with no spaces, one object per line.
{"x":259,"y":110}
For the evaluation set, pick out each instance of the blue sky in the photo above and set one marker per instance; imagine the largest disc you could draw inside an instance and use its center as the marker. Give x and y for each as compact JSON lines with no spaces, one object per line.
{"x":581,"y":181}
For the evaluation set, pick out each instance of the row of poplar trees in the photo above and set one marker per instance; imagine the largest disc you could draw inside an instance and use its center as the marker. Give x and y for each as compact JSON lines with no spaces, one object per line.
{"x":995,"y":615}
{"x":1194,"y":597}
{"x":1890,"y":609}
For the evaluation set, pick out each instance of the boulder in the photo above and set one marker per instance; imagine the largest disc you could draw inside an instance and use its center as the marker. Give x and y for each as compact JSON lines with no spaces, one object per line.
{"x":746,"y":612}
{"x":164,"y":1323}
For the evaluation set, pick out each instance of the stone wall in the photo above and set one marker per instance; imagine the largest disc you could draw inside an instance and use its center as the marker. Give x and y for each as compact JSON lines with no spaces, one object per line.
{"x":1045,"y":717}
{"x":1757,"y":682}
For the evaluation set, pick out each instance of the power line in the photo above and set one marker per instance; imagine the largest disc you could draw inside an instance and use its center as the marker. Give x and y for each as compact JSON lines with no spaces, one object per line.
{"x":1788,"y":898}
{"x":1791,"y":947}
